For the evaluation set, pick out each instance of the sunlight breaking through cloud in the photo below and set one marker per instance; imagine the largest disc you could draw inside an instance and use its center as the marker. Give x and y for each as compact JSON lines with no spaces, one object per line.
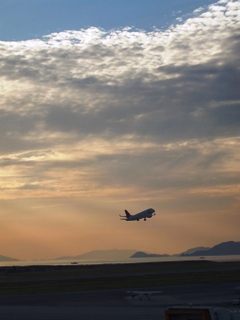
{"x":125,"y":114}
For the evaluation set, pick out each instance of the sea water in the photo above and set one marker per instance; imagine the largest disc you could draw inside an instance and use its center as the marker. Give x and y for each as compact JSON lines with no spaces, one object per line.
{"x":55,"y":262}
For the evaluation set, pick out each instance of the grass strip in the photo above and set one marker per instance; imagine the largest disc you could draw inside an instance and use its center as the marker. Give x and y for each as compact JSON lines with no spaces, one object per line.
{"x":117,"y":282}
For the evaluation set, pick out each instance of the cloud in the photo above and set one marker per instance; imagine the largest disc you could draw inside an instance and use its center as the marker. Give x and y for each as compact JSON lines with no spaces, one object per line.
{"x":92,"y":110}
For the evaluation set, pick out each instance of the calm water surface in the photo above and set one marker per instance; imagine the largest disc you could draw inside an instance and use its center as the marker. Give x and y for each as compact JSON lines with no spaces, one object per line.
{"x":130,"y":260}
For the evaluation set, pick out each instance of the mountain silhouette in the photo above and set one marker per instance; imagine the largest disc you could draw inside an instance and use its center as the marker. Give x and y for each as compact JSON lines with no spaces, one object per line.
{"x":222,"y":249}
{"x":4,"y":258}
{"x":101,"y":255}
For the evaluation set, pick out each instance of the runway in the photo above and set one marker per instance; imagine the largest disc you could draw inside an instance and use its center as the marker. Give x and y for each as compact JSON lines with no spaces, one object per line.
{"x":113,"y":304}
{"x":76,"y":313}
{"x":100,"y":291}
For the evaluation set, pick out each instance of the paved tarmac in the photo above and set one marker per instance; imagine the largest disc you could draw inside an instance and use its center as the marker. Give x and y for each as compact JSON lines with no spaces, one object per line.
{"x":113,"y":304}
{"x":84,"y":313}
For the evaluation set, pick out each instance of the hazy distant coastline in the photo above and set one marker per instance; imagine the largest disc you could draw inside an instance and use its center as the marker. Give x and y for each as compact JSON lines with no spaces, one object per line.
{"x":223,"y":249}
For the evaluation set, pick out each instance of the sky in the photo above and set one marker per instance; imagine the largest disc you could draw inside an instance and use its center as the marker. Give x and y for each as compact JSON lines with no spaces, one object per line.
{"x":114,"y":105}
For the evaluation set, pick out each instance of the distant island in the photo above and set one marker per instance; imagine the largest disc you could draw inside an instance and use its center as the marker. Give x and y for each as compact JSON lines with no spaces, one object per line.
{"x":141,"y":254}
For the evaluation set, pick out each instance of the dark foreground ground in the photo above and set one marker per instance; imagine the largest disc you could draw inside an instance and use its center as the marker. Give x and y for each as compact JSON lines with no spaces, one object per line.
{"x":99,"y":292}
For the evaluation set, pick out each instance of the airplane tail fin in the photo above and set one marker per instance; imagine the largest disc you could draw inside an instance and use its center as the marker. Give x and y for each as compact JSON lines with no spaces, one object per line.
{"x":127,"y":213}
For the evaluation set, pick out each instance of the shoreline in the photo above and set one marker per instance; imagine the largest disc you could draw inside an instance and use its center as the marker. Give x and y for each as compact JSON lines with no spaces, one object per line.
{"x":67,"y":262}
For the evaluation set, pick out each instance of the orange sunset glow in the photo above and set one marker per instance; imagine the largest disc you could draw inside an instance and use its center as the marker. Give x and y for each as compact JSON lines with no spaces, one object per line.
{"x":93,"y":122}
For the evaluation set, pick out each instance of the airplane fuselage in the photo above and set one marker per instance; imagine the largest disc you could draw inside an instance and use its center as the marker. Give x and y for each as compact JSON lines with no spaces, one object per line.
{"x":148,"y":213}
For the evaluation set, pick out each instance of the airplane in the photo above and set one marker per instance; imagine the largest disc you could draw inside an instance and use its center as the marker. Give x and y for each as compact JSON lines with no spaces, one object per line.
{"x":148,"y":213}
{"x":141,"y":294}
